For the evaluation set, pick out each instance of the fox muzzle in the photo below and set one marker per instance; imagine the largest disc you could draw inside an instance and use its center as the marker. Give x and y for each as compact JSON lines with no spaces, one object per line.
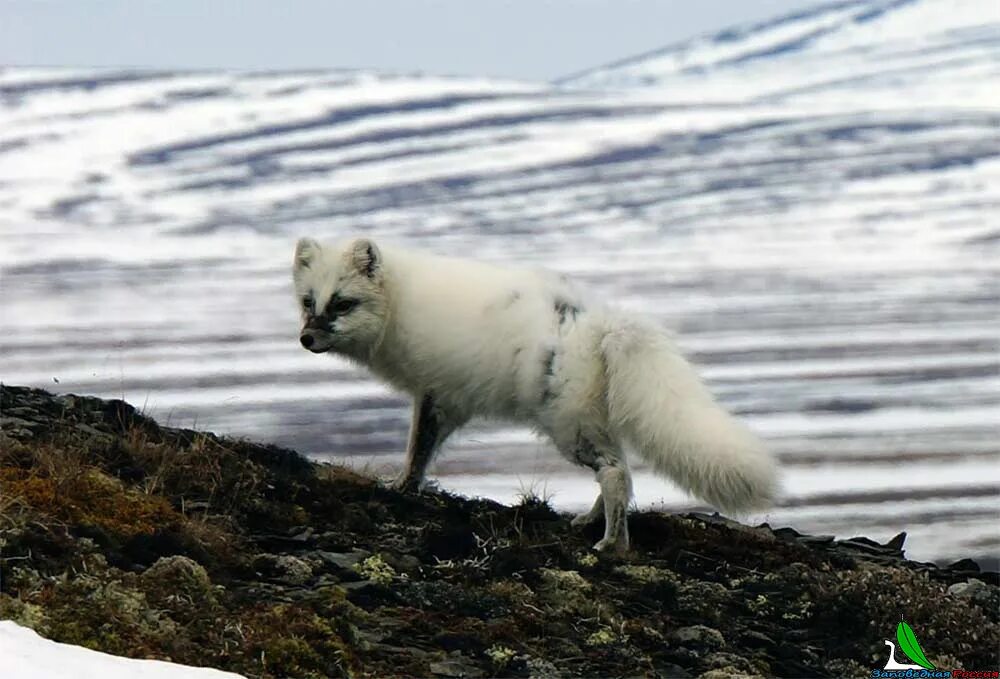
{"x":314,"y":340}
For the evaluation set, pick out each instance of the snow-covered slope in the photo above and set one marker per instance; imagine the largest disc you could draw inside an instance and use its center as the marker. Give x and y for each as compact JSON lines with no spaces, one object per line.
{"x":853,"y":55}
{"x":812,"y":203}
{"x":25,"y":655}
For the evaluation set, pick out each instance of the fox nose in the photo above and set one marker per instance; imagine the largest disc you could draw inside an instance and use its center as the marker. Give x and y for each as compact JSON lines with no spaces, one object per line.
{"x":307,"y":340}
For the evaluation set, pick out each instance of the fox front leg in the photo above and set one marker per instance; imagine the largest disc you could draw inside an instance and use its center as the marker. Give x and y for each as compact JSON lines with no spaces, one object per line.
{"x":429,"y":428}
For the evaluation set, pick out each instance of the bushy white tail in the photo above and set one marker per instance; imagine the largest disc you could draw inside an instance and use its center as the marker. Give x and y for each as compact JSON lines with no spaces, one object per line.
{"x":660,"y":407}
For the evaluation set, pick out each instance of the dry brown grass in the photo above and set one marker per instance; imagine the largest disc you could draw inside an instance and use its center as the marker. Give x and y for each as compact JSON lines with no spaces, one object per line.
{"x":60,"y":487}
{"x":69,"y":481}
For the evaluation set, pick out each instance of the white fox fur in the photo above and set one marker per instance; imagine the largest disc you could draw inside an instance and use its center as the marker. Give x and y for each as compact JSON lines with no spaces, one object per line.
{"x":470,"y":339}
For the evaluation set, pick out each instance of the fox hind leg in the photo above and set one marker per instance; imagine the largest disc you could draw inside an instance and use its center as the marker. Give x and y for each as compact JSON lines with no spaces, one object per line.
{"x":616,"y":489}
{"x":608,"y":462}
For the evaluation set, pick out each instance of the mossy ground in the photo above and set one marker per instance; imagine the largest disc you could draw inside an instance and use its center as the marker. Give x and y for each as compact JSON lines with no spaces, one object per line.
{"x":127,"y":537}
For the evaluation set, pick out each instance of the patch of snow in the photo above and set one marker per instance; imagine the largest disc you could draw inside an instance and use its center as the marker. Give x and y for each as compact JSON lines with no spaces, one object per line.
{"x":26,"y":655}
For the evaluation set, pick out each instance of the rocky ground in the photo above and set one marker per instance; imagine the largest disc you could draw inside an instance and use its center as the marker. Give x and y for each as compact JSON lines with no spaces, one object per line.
{"x":128,"y":537}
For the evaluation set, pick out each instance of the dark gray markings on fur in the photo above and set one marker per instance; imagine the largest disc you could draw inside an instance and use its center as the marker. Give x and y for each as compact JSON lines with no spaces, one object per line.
{"x":566,"y":310}
{"x":323,"y":319}
{"x":424,"y":439}
{"x":372,"y":264}
{"x":347,"y":306}
{"x":549,"y":362}
{"x":320,"y":322}
{"x":548,"y":372}
{"x":586,"y":453}
{"x":512,"y":299}
{"x":330,"y":302}
{"x":428,"y":428}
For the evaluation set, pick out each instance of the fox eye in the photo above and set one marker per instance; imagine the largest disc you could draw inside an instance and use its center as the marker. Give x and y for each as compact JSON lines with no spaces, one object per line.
{"x":308,"y":303}
{"x":342,"y":306}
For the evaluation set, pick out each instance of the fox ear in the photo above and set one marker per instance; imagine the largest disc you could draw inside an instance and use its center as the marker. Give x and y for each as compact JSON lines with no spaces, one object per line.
{"x":305,"y":252}
{"x":366,"y":257}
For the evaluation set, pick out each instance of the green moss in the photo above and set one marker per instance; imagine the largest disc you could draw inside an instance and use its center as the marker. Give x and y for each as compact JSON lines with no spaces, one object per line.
{"x":298,"y":643}
{"x":25,"y":614}
{"x":181,"y":586}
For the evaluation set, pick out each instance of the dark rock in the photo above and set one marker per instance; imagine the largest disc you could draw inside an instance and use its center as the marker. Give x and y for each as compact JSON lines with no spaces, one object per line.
{"x":7,"y":421}
{"x":817,"y":539}
{"x":403,"y":563}
{"x":755,"y":639}
{"x":456,"y":666}
{"x":456,"y":641}
{"x":450,"y":542}
{"x":357,"y":520}
{"x":731,"y":662}
{"x":359,"y":586}
{"x":304,"y":534}
{"x":699,"y":637}
{"x":896,"y":543}
{"x":964,"y":565}
{"x":672,"y":671}
{"x":284,"y":568}
{"x":341,"y":561}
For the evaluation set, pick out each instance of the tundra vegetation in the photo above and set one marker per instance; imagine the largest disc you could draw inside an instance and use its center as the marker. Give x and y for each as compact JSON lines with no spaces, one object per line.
{"x":128,"y":537}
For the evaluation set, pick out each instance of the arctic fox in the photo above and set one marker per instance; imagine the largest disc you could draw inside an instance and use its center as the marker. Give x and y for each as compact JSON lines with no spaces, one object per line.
{"x":470,"y":339}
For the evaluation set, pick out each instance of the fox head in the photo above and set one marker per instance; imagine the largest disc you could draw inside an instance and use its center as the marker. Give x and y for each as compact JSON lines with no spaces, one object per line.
{"x":340,"y":291}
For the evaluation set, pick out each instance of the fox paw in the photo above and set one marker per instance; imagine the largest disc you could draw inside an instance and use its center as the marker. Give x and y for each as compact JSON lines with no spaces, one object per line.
{"x":405,"y":484}
{"x":619,"y":546}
